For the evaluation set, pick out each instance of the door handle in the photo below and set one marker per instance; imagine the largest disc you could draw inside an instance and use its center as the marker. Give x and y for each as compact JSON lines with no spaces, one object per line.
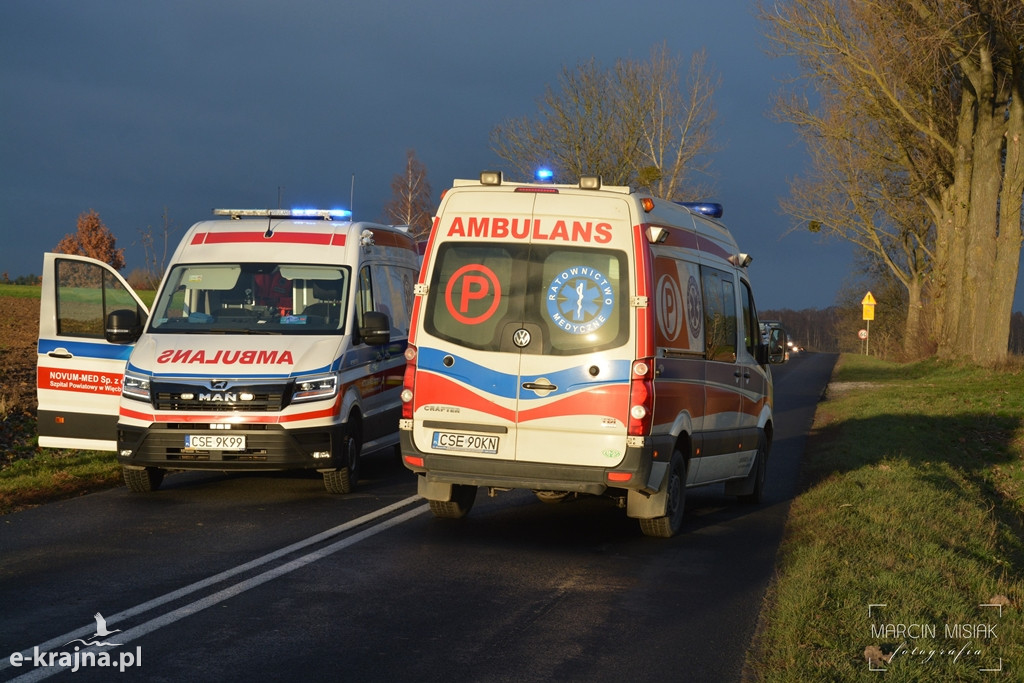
{"x":534,"y":386}
{"x":59,"y":354}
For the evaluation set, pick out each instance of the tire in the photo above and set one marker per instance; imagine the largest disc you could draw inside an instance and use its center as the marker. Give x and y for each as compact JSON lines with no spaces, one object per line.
{"x":671,"y":522}
{"x":758,"y":472}
{"x":345,"y":478}
{"x":145,"y":480}
{"x":458,"y":507}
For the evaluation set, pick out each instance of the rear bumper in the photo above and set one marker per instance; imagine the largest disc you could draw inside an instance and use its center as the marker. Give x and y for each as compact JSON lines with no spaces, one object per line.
{"x":268,"y":447}
{"x":503,"y":474}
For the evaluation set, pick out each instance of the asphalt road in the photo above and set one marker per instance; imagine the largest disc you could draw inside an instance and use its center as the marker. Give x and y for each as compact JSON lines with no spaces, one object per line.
{"x":268,"y":577}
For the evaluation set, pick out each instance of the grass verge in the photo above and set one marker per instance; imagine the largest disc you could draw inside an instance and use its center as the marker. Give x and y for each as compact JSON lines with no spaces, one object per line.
{"x":55,"y":475}
{"x":905,"y":551}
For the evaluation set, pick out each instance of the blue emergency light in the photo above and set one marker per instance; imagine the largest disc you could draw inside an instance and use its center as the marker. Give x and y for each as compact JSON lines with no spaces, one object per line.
{"x":323,"y":214}
{"x":544,"y":175}
{"x":710,"y":209}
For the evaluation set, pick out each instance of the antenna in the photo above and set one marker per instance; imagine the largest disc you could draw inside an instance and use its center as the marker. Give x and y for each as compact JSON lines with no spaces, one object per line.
{"x":352,"y":196}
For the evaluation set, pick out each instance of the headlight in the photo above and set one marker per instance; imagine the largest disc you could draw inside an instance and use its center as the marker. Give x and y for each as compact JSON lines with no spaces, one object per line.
{"x":315,"y":388}
{"x":136,"y":386}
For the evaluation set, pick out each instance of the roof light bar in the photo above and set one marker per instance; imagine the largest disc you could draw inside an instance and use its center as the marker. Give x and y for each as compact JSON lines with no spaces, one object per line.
{"x":325,"y":214}
{"x":704,"y":208}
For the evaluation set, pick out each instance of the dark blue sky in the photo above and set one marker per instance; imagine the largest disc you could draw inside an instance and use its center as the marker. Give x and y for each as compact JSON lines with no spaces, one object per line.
{"x":129,"y":108}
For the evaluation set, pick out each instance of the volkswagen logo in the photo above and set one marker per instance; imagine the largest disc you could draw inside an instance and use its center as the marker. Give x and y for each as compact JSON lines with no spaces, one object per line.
{"x":521,"y":338}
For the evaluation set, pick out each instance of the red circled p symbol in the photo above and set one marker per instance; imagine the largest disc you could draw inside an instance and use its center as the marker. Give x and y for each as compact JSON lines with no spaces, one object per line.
{"x":477,"y":281}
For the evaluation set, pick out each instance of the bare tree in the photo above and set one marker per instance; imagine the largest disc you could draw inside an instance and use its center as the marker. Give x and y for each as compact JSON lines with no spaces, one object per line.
{"x":854,"y":191}
{"x":632,"y":125}
{"x":411,"y":203}
{"x":943,"y":80}
{"x":94,"y":240}
{"x":157,"y":249}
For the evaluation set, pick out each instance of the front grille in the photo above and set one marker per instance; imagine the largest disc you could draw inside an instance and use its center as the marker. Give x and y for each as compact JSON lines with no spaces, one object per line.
{"x":266,"y":398}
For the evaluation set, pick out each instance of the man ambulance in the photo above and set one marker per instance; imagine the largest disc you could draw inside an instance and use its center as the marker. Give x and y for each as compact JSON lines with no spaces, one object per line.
{"x":573,"y":339}
{"x":275,"y":342}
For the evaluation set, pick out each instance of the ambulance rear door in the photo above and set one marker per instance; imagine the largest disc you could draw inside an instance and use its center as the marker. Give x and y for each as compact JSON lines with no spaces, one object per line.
{"x":575,"y":336}
{"x":78,"y":372}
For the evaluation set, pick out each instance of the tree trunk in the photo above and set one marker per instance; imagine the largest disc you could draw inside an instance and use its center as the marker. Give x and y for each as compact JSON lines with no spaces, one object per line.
{"x":915,"y":343}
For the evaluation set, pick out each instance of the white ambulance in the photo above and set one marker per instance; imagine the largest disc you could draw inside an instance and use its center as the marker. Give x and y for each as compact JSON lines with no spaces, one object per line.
{"x":581,"y":339}
{"x":275,"y":342}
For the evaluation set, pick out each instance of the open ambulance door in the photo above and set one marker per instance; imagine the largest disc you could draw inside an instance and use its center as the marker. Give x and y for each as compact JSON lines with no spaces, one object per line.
{"x":78,"y":372}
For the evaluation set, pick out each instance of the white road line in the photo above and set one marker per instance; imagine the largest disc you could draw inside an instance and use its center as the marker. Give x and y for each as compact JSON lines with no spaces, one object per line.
{"x":240,"y":587}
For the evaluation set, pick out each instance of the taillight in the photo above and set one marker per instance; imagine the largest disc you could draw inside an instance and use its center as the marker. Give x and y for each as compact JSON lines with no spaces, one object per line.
{"x":641,"y":397}
{"x":409,"y":381}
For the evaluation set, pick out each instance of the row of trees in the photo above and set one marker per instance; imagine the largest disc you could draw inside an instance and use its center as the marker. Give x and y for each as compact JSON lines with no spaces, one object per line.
{"x":912,"y":112}
{"x":836,"y":330}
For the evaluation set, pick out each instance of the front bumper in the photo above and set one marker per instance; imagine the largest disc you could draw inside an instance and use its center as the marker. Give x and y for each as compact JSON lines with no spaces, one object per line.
{"x":268,"y":447}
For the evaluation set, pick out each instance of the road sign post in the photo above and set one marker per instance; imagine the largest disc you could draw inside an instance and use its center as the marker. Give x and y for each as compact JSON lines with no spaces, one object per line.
{"x":868,"y":305}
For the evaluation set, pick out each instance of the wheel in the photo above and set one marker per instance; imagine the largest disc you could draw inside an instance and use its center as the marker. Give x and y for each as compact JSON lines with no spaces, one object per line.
{"x":758,"y":472}
{"x":458,"y":507}
{"x":345,"y":478}
{"x":143,"y":480}
{"x":671,"y":522}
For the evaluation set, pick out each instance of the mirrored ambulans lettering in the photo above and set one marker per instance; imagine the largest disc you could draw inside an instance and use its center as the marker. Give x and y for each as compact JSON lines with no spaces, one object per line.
{"x":227,"y":357}
{"x":530,"y":228}
{"x":472,"y":294}
{"x":580,"y":300}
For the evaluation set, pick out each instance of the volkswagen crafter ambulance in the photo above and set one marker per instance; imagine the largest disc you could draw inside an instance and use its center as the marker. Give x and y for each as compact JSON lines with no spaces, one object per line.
{"x":275,"y":342}
{"x":584,"y":339}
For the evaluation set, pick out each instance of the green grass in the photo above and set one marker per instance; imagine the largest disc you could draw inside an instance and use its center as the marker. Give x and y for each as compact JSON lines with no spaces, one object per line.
{"x":20,"y":291}
{"x":33,"y":291}
{"x":914,"y":501}
{"x":53,"y":475}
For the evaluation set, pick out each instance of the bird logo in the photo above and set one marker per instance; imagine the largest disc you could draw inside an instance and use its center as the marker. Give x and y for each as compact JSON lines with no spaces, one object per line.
{"x":101,"y":632}
{"x":101,"y":627}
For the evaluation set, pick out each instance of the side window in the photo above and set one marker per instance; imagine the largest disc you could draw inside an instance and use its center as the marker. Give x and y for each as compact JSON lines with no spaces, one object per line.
{"x":751,"y":333}
{"x":86,"y":293}
{"x":719,"y":315}
{"x":365,"y":302}
{"x":393,"y":295}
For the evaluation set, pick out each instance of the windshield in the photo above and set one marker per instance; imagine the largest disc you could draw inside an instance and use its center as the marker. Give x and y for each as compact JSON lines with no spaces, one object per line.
{"x":252,"y":298}
{"x":573,"y":299}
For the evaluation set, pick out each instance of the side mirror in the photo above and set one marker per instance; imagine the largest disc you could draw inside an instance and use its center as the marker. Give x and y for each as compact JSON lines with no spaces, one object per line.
{"x":777,"y":346}
{"x":376,"y":328}
{"x":123,"y":327}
